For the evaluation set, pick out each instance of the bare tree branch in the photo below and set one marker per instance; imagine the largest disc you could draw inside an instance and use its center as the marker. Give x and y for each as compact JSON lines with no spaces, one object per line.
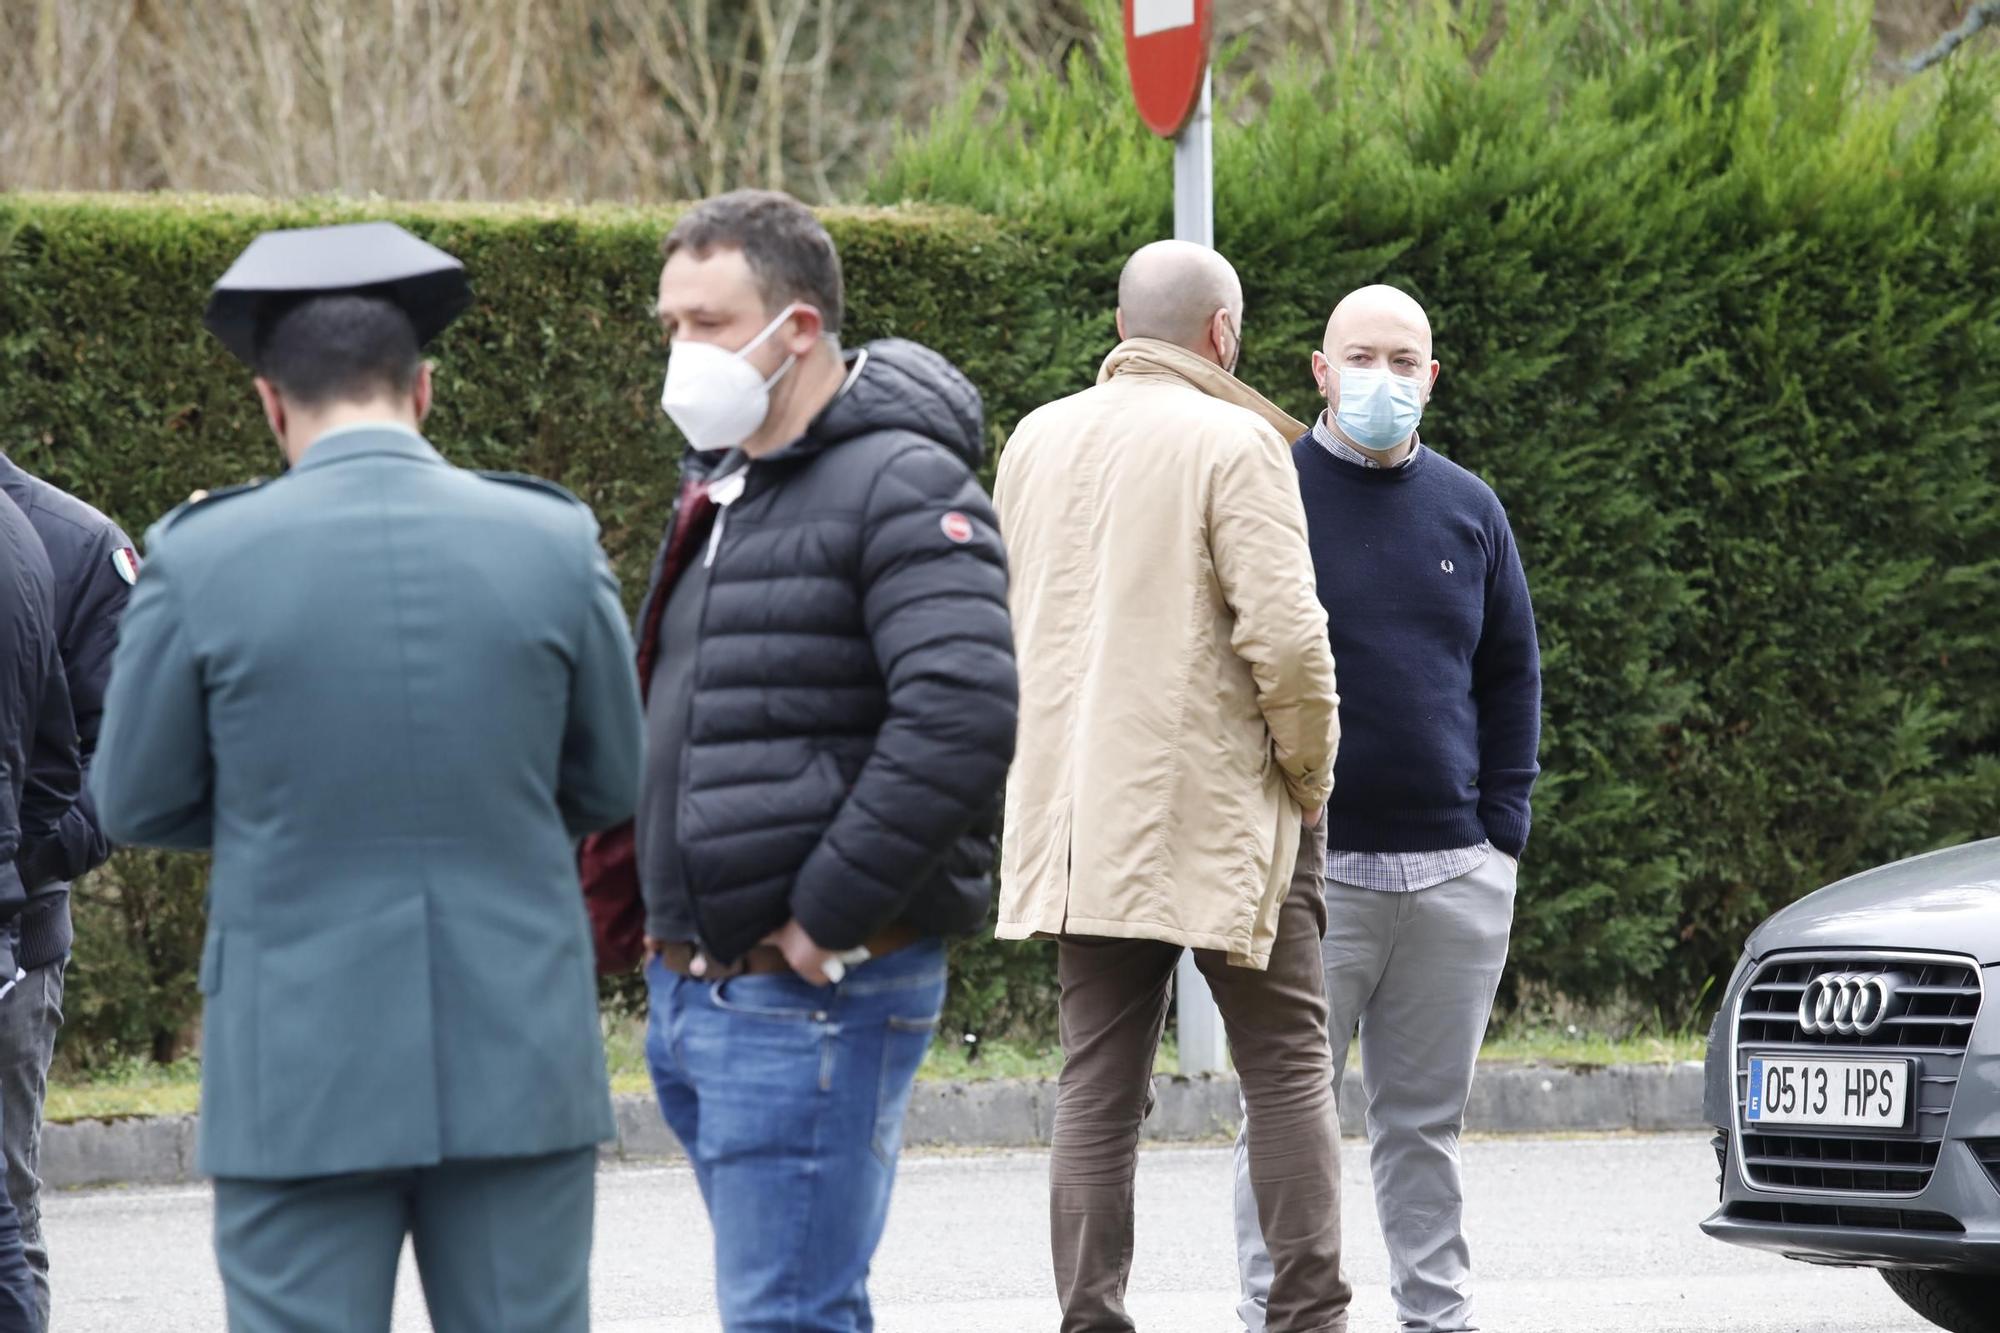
{"x":816,"y":112}
{"x":732,"y":90}
{"x":48,"y":81}
{"x":1979,"y":16}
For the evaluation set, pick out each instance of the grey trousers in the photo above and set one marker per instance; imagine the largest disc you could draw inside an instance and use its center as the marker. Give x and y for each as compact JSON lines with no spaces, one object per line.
{"x":29,"y":1018}
{"x":503,"y":1246}
{"x":1417,"y":972}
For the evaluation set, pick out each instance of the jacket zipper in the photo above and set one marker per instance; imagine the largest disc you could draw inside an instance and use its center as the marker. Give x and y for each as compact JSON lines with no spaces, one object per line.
{"x":714,"y":540}
{"x":724,"y":493}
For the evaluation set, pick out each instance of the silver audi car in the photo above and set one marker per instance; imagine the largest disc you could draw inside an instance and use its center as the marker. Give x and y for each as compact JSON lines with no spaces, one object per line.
{"x":1854,"y":1083}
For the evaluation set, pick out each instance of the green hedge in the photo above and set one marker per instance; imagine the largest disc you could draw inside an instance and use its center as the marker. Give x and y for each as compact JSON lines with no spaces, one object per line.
{"x":1719,"y":311}
{"x":109,"y":387}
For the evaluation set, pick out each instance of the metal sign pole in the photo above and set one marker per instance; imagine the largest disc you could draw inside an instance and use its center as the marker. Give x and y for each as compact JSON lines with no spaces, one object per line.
{"x":1194,"y":175}
{"x":1204,"y":1045}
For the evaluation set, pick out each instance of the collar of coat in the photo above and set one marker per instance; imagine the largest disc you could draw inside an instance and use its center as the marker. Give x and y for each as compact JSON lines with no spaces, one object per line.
{"x":1165,"y":360}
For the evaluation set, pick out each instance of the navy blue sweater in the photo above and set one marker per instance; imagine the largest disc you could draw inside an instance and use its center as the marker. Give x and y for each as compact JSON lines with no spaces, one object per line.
{"x":1434,"y":642}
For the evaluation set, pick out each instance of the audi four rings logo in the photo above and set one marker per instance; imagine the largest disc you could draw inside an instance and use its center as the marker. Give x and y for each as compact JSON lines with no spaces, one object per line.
{"x":1848,"y":1003}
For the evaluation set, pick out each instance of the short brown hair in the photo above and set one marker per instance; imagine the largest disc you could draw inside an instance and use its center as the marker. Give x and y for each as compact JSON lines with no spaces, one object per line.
{"x":789,"y":252}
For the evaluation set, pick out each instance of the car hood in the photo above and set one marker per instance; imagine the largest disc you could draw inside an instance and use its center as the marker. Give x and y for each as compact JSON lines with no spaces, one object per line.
{"x":1948,"y":901}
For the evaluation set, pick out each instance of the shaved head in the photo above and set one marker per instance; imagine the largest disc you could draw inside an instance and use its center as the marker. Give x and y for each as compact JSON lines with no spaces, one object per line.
{"x":1370,"y":314}
{"x":1373,"y":330}
{"x":1173,"y":290}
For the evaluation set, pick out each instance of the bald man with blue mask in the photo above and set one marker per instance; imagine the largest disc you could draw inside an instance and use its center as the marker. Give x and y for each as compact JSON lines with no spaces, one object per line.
{"x":1430,"y":621}
{"x":1376,"y":373}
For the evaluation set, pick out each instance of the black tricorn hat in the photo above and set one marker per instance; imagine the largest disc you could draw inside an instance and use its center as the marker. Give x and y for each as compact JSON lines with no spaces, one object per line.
{"x":281,"y":268}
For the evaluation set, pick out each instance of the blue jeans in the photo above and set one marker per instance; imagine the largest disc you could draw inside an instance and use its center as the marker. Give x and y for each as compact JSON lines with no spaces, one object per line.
{"x":789,"y":1100}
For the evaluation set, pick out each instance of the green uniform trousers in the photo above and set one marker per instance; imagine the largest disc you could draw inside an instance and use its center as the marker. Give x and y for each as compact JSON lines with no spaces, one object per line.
{"x":502,"y":1245}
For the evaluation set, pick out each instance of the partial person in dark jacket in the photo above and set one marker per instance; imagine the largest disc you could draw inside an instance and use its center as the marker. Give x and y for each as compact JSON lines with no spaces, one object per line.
{"x":94,"y":566}
{"x":829,"y":672}
{"x":39,"y":780}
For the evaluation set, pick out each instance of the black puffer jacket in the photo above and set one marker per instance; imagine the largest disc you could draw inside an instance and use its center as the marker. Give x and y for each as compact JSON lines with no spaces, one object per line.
{"x":854,"y":693}
{"x":40,"y":775}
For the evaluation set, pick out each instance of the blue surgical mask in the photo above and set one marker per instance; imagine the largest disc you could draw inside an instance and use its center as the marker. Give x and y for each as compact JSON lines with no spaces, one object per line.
{"x":1378,"y":409}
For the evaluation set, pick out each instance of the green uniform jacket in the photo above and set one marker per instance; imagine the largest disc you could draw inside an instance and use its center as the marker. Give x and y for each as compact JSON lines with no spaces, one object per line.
{"x":387,"y":693}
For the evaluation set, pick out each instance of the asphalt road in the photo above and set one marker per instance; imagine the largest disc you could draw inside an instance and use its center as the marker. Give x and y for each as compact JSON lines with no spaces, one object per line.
{"x":1568,"y":1236}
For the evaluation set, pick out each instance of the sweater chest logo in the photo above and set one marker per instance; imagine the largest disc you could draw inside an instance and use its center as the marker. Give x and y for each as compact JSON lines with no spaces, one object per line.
{"x":1447,"y":566}
{"x":957,"y":527}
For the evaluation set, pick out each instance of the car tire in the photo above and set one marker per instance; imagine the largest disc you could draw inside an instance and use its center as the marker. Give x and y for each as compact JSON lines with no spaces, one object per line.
{"x":1960,"y":1302}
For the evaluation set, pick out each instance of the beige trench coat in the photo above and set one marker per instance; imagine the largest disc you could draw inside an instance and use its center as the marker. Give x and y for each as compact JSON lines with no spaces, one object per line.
{"x":1177,"y":694}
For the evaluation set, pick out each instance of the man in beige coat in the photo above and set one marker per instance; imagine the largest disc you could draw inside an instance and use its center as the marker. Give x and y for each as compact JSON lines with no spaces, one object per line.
{"x":1175,"y":748}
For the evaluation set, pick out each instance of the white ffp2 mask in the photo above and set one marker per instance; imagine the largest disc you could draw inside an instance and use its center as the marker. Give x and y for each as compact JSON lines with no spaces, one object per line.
{"x":716,"y":396}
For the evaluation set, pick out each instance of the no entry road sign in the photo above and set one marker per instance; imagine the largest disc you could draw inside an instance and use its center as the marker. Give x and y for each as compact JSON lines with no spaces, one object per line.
{"x":1166,"y":51}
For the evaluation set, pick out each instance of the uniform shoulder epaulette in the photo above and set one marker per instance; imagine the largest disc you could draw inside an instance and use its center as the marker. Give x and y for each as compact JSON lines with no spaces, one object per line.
{"x":203,"y":500}
{"x":533,"y":482}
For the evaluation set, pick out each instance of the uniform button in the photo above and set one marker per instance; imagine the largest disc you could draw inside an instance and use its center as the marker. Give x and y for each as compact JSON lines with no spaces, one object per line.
{"x":820,"y":1017}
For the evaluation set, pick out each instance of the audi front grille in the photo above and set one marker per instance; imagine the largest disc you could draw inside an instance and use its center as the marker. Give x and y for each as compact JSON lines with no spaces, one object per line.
{"x":1932,"y":1020}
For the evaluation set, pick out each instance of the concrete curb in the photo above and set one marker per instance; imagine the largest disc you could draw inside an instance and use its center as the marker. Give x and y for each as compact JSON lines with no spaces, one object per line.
{"x":1003,"y":1113}
{"x":142,"y":1150}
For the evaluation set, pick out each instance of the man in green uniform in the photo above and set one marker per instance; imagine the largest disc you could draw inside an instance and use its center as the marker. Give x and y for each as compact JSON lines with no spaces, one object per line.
{"x":388,"y":694}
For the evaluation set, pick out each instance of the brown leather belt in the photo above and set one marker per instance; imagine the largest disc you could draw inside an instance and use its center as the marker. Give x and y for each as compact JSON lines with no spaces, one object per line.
{"x":679,"y":957}
{"x":766,"y":959}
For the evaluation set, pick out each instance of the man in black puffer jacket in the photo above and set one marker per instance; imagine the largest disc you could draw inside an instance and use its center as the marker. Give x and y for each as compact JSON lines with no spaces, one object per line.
{"x":829,"y":672}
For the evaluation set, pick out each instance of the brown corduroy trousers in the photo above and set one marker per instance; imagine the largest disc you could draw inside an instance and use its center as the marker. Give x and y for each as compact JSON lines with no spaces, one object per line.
{"x":1114,"y":1009}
